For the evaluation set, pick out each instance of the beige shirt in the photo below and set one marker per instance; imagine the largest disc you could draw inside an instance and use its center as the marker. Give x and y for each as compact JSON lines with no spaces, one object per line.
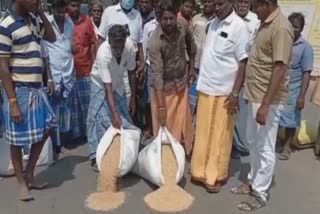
{"x":199,"y":26}
{"x":273,"y":44}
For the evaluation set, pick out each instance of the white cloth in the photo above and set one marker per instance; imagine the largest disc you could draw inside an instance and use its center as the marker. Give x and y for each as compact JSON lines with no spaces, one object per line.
{"x":261,"y":142}
{"x":226,"y":45}
{"x":115,"y":15}
{"x":147,"y":32}
{"x":253,"y":24}
{"x":107,"y":70}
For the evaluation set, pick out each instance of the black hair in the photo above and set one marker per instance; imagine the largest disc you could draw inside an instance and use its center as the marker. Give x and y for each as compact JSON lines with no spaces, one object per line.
{"x":299,"y":17}
{"x":117,"y":32}
{"x":167,"y":5}
{"x":58,"y":4}
{"x":77,"y":1}
{"x":273,"y":2}
{"x":96,"y":3}
{"x":191,"y":1}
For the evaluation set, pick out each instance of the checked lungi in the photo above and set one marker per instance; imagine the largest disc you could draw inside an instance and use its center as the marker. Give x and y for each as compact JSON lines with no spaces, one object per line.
{"x":37,"y":116}
{"x":99,"y":116}
{"x":80,"y":105}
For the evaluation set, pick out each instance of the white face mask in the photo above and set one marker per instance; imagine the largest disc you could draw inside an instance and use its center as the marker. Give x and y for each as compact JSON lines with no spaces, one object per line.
{"x":127,"y":4}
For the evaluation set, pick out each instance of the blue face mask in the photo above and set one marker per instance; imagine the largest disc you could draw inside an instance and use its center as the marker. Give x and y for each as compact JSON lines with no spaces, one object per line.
{"x":127,"y":4}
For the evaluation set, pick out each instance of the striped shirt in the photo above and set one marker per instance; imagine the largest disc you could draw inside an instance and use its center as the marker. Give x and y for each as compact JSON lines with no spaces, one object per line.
{"x":21,"y":43}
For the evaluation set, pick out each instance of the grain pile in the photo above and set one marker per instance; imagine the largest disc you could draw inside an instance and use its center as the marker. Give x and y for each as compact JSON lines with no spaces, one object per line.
{"x":170,"y":197}
{"x":108,"y":198}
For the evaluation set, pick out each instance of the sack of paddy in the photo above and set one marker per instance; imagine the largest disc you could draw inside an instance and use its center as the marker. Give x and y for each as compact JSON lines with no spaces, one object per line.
{"x":116,"y":154}
{"x":162,"y":163}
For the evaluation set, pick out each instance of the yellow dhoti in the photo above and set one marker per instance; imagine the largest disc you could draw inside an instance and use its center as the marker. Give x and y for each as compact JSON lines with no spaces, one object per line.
{"x":179,"y":118}
{"x":213,"y":143}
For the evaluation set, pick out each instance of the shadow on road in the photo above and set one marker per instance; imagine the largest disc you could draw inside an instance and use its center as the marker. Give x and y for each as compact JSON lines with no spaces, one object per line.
{"x":61,"y":171}
{"x":236,"y":166}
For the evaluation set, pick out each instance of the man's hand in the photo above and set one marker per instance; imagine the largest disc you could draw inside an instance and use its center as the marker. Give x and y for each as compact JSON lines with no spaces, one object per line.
{"x":140,"y":72}
{"x":116,"y":120}
{"x":162,"y":116}
{"x":15,"y":112}
{"x":300,"y":103}
{"x":232,"y":104}
{"x":50,"y":86}
{"x":262,"y":114}
{"x":132,"y":106}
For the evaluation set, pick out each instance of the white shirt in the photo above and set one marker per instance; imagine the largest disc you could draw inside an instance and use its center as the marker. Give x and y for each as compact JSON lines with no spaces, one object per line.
{"x":147,"y":32}
{"x":107,"y":70}
{"x":96,"y":29}
{"x":115,"y":15}
{"x":253,"y":24}
{"x":226,"y":45}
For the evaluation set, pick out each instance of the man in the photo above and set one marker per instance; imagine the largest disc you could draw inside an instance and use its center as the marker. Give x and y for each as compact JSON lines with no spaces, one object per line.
{"x":96,"y":11}
{"x":108,"y":103}
{"x":199,"y":27}
{"x":266,"y":91}
{"x":170,"y":75}
{"x":62,"y":69}
{"x":124,"y":14}
{"x":300,"y":71}
{"x":146,"y":10}
{"x":186,"y":10}
{"x":84,"y":49}
{"x":222,"y":71}
{"x":105,"y":3}
{"x":242,"y":8}
{"x":27,"y":114}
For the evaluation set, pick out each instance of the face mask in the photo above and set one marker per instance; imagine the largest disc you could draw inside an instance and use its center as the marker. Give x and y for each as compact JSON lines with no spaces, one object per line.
{"x":127,"y":4}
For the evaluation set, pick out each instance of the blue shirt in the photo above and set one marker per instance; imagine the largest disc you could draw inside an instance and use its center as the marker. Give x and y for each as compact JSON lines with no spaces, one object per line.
{"x":60,"y":55}
{"x":301,"y":62}
{"x":20,"y":42}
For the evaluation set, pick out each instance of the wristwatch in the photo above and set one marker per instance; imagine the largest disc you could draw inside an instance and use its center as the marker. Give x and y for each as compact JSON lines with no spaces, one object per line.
{"x":235,"y":94}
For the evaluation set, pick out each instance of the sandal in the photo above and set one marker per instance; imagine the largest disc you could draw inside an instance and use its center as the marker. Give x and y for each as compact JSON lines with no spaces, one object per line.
{"x":213,"y":189}
{"x":285,"y":154}
{"x":242,"y":189}
{"x":252,"y":204}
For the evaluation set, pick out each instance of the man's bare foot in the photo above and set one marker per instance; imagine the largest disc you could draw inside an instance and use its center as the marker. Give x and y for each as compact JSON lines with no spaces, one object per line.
{"x":24,"y":194}
{"x":32,"y":184}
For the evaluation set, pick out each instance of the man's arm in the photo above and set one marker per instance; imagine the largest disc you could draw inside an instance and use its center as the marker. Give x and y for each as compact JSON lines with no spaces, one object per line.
{"x":191,"y":51}
{"x":7,"y":84}
{"x":115,"y":116}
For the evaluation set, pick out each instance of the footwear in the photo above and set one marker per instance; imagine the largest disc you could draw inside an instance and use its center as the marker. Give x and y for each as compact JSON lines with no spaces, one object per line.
{"x":285,"y":154}
{"x":94,"y":165}
{"x":242,"y":189}
{"x":253,"y":203}
{"x":317,"y":149}
{"x":214,"y":189}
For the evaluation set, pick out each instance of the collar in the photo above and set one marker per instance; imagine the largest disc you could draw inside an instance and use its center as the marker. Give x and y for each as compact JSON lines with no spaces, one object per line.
{"x":229,"y":18}
{"x":273,"y":15}
{"x":299,"y":41}
{"x":210,"y":18}
{"x":249,"y":17}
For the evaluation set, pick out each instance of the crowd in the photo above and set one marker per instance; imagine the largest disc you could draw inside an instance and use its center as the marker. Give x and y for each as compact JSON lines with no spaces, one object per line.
{"x":222,"y":82}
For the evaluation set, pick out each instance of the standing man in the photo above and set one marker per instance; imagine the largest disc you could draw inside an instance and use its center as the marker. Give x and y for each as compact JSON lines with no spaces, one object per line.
{"x":266,"y":91}
{"x":62,"y":69}
{"x":124,"y":14}
{"x":222,"y":72}
{"x":27,"y":113}
{"x":242,"y":8}
{"x":96,"y":10}
{"x":186,"y":10}
{"x":300,"y":71}
{"x":146,"y":10}
{"x":200,"y":24}
{"x":84,"y":50}
{"x":170,"y":75}
{"x":108,"y":103}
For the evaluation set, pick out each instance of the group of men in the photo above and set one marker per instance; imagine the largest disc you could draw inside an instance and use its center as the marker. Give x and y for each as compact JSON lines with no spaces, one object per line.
{"x":212,"y":79}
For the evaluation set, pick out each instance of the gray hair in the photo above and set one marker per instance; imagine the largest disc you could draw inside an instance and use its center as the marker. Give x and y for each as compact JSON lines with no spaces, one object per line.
{"x":117,"y":32}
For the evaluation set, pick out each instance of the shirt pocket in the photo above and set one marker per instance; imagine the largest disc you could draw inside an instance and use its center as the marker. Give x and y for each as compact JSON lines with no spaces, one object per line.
{"x":223,"y":45}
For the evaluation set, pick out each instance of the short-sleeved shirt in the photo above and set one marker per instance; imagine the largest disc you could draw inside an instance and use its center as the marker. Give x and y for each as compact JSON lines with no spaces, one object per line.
{"x":273,"y":44}
{"x":226,"y":45}
{"x":301,"y":62}
{"x":84,"y":39}
{"x":106,"y":69}
{"x":21,"y":43}
{"x":147,"y":32}
{"x":60,"y":52}
{"x":253,"y":24}
{"x":114,"y":15}
{"x":199,"y":26}
{"x":168,"y":57}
